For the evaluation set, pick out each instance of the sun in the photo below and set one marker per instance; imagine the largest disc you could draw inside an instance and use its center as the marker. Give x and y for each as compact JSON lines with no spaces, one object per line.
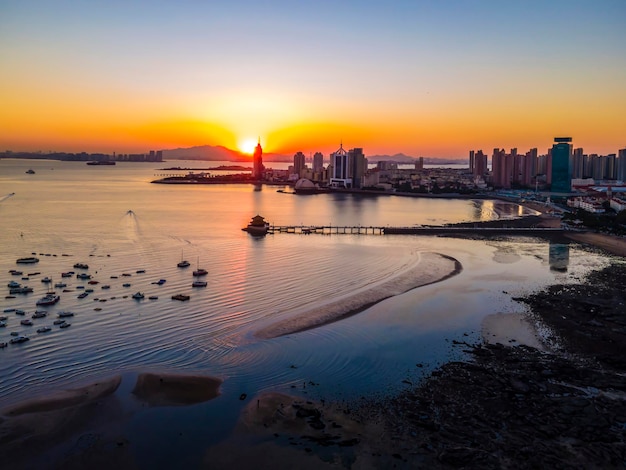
{"x":247,"y":146}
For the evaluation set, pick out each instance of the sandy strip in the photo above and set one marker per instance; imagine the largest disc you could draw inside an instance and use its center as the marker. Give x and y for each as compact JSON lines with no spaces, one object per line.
{"x":172,"y":390}
{"x":431,"y":268}
{"x":66,"y":398}
{"x":610,"y":243}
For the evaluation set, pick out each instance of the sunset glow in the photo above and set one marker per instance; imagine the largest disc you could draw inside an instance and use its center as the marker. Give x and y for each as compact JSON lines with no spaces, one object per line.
{"x":409,"y":78}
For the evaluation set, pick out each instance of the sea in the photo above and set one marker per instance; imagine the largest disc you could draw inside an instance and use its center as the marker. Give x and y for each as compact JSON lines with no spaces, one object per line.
{"x":129,"y":231}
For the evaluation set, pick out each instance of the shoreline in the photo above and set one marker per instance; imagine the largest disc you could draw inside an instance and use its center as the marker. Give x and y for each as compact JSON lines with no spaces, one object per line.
{"x":431,"y":268}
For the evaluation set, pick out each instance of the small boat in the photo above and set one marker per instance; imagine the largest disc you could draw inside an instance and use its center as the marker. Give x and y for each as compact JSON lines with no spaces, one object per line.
{"x":26,"y":322}
{"x":138,"y":295}
{"x":3,"y":345}
{"x":21,"y":313}
{"x":58,"y":322}
{"x":44,"y":329}
{"x":183,"y":262}
{"x":180,"y":297}
{"x":27,"y":260}
{"x":200,"y":271}
{"x":65,"y":325}
{"x":126,"y":285}
{"x":113,"y":277}
{"x":93,"y":283}
{"x":3,"y":317}
{"x":106,"y":286}
{"x":21,"y":290}
{"x":141,"y":271}
{"x":65,"y":314}
{"x":257,"y":226}
{"x":3,"y":324}
{"x":16,"y":273}
{"x":48,"y":300}
{"x":46,"y":280}
{"x":154,"y":297}
{"x":67,"y":274}
{"x":39,"y":314}
{"x":60,"y":284}
{"x":199,"y":284}
{"x":126,"y":275}
{"x":30,"y":171}
{"x":81,"y":266}
{"x":160,"y":282}
{"x":8,"y":310}
{"x":13,"y":284}
{"x":19,"y":339}
{"x":37,"y":273}
{"x":83,"y":276}
{"x":89,"y":291}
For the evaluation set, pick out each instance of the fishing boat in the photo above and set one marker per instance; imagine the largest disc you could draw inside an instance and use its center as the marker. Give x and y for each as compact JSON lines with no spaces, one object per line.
{"x":200,"y":271}
{"x":138,"y":295}
{"x":19,"y":339}
{"x":28,"y":260}
{"x":199,"y":284}
{"x":181,"y":297}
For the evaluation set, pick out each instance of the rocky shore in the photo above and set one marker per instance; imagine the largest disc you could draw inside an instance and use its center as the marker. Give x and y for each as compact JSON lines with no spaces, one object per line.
{"x":506,"y":407}
{"x":517,"y":407}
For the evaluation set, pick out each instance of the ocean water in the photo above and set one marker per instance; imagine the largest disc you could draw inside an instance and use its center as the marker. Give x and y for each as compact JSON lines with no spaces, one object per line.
{"x":113,"y":219}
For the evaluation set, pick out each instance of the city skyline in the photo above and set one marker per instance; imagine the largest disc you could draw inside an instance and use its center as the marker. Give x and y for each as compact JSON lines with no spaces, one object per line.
{"x":416,"y":78}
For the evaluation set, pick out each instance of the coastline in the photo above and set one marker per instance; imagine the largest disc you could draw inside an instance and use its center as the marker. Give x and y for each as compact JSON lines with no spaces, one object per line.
{"x":431,"y":268}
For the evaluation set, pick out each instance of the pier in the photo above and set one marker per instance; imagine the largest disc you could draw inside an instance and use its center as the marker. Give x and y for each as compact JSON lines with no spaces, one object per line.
{"x":372,"y":230}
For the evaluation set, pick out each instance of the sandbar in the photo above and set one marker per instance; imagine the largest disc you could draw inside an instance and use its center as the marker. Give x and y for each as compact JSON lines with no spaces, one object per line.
{"x":431,"y":268}
{"x":66,"y":398}
{"x":175,"y":390}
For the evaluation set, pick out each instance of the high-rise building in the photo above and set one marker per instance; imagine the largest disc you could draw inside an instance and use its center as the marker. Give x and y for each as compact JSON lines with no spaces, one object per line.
{"x":419,"y":164}
{"x":621,"y":165}
{"x":257,"y":162}
{"x":578,"y":163}
{"x":358,"y":162}
{"x":318,"y":162}
{"x":299,"y":163}
{"x":561,"y":171}
{"x":340,"y":176}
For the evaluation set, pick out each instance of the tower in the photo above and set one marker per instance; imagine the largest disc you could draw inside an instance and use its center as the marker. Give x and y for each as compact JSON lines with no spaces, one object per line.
{"x":561,"y":167}
{"x":257,"y":160}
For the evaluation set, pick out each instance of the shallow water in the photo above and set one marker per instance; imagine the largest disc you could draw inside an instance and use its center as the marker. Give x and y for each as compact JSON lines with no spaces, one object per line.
{"x":114,"y":220}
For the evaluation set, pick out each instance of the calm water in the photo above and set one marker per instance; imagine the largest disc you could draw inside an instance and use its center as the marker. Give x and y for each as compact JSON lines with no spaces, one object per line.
{"x":114,"y":220}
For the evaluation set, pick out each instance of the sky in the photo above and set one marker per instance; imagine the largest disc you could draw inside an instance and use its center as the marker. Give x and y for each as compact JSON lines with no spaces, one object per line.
{"x":423,"y":78}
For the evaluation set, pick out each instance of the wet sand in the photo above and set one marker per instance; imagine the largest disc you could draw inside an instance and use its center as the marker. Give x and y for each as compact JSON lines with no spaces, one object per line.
{"x":609,"y":243}
{"x":39,"y":433}
{"x":431,"y":268}
{"x":175,"y":390}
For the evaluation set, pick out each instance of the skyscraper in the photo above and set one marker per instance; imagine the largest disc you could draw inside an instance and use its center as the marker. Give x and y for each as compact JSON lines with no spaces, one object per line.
{"x":299,"y":162}
{"x":318,"y":161}
{"x":257,"y":160}
{"x":621,"y":165}
{"x":561,"y":180}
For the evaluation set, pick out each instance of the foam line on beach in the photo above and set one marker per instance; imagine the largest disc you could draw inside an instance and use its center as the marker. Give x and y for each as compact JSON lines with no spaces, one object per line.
{"x":431,"y":268}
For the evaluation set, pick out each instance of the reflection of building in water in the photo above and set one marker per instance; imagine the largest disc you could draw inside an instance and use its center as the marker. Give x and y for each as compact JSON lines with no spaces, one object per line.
{"x":559,"y":256}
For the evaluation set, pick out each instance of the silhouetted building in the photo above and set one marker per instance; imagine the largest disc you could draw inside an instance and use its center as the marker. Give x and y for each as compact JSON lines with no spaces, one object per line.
{"x":621,"y":165}
{"x":561,"y":170}
{"x":318,"y":162}
{"x":299,"y":163}
{"x":357,"y":160}
{"x":257,"y":161}
{"x":340,"y":176}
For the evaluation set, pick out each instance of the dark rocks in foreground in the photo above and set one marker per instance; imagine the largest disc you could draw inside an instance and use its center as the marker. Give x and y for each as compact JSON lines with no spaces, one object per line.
{"x":517,"y":407}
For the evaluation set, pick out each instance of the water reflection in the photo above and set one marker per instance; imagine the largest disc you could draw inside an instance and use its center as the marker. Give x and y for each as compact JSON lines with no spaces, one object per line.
{"x":558,"y":256}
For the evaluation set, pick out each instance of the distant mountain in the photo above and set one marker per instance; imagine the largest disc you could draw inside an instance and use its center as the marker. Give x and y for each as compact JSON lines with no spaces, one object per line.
{"x":220,"y":153}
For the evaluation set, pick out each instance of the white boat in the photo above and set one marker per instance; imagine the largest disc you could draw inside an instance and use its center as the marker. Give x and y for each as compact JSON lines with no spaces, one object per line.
{"x":138,"y":295}
{"x":58,"y":322}
{"x":44,"y":329}
{"x":65,"y":314}
{"x":39,"y":314}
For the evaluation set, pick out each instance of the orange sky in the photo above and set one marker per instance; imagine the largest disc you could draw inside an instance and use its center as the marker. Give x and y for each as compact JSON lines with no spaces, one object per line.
{"x":423,"y":81}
